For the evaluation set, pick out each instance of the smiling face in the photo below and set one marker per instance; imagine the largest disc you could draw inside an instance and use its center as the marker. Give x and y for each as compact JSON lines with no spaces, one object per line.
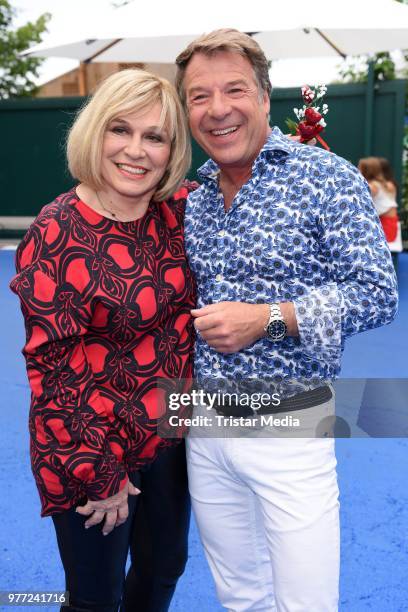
{"x":227,"y":114}
{"x":135,"y":155}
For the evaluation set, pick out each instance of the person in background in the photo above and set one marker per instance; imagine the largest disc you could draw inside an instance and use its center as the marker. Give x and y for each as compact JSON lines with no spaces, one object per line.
{"x":389,"y":174}
{"x":106,"y":294}
{"x":379,"y":175}
{"x":289,"y":261}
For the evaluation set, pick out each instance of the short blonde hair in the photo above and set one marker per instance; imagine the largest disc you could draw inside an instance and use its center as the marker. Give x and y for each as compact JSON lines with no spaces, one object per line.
{"x":231,"y":40}
{"x":122,"y":93}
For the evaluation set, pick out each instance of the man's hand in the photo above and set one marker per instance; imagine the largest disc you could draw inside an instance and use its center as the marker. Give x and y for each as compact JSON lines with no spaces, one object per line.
{"x":113,"y":509}
{"x":231,"y":326}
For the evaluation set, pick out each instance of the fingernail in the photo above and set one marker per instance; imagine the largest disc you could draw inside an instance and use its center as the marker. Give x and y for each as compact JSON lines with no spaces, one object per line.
{"x":87,"y":526}
{"x":104,"y":533}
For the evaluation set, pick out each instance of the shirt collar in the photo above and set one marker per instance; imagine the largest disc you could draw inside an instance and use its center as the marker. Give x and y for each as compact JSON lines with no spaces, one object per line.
{"x":276,"y":141}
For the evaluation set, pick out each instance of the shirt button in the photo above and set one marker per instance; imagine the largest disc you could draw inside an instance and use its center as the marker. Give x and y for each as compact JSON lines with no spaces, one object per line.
{"x":221,"y":233}
{"x":219,"y":278}
{"x":216,"y":366}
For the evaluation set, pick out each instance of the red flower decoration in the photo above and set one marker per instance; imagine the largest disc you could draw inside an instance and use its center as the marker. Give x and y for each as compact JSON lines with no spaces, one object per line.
{"x":308,"y":131}
{"x":312,"y":116}
{"x":310,"y":120}
{"x":308,"y":94}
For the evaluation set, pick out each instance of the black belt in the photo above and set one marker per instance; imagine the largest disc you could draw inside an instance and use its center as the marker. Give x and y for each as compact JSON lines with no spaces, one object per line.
{"x":305,"y":399}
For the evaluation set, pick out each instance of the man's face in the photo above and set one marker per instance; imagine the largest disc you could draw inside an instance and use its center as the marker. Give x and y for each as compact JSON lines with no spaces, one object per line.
{"x":228,"y":117}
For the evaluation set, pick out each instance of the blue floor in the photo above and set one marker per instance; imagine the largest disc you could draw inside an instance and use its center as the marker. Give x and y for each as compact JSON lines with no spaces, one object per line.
{"x":373,"y":475}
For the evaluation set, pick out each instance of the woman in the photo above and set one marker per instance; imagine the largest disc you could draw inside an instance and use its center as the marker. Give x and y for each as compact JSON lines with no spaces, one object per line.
{"x":377,"y":172}
{"x":106,"y":295}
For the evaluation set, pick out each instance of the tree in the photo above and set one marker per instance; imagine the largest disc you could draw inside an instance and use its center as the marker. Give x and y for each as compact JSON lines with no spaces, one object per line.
{"x":355,"y":69}
{"x":18,"y":74}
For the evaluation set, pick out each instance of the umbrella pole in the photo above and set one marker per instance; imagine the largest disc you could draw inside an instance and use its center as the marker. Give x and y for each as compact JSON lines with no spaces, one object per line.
{"x":369,"y":110}
{"x":83,"y":85}
{"x":329,"y":42}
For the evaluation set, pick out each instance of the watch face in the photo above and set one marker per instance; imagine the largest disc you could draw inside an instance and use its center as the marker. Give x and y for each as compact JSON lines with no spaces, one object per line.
{"x":276,"y":330}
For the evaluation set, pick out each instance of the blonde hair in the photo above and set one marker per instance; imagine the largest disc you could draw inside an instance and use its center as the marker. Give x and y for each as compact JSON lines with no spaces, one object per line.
{"x":122,"y":93}
{"x":230,"y":40}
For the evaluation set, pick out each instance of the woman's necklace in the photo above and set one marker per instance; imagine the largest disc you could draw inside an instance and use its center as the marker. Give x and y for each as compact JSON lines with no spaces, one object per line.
{"x":108,"y":210}
{"x":111,"y":212}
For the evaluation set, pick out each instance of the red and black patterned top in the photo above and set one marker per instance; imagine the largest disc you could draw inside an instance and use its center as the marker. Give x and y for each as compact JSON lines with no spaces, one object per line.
{"x":106,"y":306}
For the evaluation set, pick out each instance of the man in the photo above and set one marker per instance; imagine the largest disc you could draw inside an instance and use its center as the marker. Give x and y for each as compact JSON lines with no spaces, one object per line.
{"x":289,"y":260}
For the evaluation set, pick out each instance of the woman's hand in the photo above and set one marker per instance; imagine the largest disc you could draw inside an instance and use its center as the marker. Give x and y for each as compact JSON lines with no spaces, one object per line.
{"x":113,"y":509}
{"x":311,"y":142}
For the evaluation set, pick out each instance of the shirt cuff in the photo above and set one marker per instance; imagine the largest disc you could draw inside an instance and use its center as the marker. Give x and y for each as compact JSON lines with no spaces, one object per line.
{"x":318,"y":315}
{"x":110,"y":478}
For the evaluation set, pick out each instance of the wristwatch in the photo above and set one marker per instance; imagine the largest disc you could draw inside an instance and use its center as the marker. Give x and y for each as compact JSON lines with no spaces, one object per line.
{"x":276,"y":328}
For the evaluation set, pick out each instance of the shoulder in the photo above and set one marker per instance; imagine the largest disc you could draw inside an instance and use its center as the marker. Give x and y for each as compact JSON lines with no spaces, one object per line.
{"x":341,"y":172}
{"x":34,"y":243}
{"x":185,"y":189}
{"x":315,"y":156}
{"x":177,"y":202}
{"x":390,"y":188}
{"x":375,"y":187}
{"x":329,"y":174}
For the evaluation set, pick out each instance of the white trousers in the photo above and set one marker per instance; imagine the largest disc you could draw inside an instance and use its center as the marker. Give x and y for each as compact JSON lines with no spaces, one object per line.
{"x":268,"y":514}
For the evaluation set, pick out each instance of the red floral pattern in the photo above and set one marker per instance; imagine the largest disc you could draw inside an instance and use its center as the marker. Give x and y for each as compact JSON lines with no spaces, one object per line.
{"x":107,"y":313}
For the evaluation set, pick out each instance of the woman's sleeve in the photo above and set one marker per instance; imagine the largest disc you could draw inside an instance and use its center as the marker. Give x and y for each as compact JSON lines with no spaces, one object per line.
{"x":70,"y":428}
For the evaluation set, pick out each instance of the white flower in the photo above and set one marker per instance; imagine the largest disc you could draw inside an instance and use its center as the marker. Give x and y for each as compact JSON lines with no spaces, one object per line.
{"x":307,"y":92}
{"x":322,"y":122}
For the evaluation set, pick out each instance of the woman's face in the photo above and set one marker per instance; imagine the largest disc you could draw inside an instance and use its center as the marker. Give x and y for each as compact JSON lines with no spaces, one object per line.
{"x":135,"y":154}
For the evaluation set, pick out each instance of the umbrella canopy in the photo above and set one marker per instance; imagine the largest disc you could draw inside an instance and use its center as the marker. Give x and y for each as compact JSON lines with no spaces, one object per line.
{"x":157,"y":31}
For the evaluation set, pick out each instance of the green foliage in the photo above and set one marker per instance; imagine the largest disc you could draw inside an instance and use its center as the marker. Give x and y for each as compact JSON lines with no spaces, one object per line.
{"x":355,"y":69}
{"x":292,"y":126}
{"x":18,"y":74}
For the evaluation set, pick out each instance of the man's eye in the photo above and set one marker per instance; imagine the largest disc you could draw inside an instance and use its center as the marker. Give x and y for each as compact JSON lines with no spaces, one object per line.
{"x":236,"y":91}
{"x":198,"y":98}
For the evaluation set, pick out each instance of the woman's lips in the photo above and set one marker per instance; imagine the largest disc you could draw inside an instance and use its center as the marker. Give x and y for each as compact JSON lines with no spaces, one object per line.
{"x":132,"y":171}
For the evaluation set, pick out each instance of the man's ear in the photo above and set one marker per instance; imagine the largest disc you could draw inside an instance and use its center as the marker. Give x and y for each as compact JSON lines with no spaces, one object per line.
{"x":266,"y":102}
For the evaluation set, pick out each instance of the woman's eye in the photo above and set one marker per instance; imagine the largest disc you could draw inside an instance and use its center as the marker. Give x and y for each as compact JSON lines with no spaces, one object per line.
{"x":154,"y":137}
{"x":118,"y":129}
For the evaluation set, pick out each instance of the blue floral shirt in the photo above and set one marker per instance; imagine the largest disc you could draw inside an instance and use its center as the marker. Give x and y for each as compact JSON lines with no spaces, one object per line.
{"x":302,"y":229}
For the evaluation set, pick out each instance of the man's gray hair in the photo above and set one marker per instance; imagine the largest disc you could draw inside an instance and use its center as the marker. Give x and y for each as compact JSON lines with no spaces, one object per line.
{"x":229,"y":40}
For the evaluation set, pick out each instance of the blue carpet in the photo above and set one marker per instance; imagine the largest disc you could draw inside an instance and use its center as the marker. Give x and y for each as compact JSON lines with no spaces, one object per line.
{"x":372,"y":474}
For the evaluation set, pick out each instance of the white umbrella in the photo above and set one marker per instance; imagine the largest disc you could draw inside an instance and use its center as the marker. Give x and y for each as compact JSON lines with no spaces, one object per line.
{"x":158,"y":30}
